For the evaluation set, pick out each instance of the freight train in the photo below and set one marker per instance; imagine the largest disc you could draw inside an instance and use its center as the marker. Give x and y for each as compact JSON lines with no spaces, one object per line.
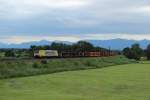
{"x":46,"y":53}
{"x":55,"y":53}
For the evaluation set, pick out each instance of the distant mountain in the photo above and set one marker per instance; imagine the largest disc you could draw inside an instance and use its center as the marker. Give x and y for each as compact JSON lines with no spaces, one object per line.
{"x":115,"y":44}
{"x":118,"y":44}
{"x":28,"y":44}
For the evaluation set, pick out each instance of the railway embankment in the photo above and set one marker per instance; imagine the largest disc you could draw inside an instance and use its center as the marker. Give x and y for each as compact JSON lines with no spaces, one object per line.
{"x":29,"y":67}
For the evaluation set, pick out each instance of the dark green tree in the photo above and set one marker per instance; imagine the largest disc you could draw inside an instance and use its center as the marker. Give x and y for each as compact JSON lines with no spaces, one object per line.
{"x":33,"y":47}
{"x":127,"y":52}
{"x":80,"y":46}
{"x":135,"y":52}
{"x":83,"y":46}
{"x":148,"y":52}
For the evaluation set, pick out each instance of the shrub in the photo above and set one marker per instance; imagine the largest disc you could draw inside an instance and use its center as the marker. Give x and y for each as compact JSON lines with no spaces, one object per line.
{"x":76,"y":63}
{"x":43,"y":61}
{"x":45,"y":66}
{"x":35,"y":65}
{"x":9,"y":53}
{"x":89,"y":63}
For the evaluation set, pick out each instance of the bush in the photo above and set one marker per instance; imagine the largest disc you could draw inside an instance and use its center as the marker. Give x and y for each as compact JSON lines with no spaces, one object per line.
{"x":89,"y":63}
{"x":35,"y":65}
{"x":43,"y":61}
{"x":76,"y":63}
{"x":9,"y":53}
{"x":45,"y":66}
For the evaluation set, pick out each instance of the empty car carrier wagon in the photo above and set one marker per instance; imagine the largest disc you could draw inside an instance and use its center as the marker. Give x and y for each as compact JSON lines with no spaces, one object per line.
{"x":46,"y":53}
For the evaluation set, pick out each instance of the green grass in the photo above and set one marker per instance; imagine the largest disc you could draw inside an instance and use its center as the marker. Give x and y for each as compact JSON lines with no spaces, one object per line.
{"x":20,"y":68}
{"x":122,"y":82}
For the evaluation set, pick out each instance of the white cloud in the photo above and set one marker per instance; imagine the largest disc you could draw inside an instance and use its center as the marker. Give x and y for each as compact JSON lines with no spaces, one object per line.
{"x":74,"y":16}
{"x":28,"y":8}
{"x":108,"y":36}
{"x":21,"y":39}
{"x":73,"y":38}
{"x":90,"y":9}
{"x":145,"y":9}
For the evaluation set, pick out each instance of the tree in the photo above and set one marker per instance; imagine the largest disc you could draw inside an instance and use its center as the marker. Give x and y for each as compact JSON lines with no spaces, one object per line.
{"x":83,"y":46}
{"x":9,"y":53}
{"x":135,"y":52}
{"x":33,"y":47}
{"x":148,"y":52}
{"x":127,"y":52}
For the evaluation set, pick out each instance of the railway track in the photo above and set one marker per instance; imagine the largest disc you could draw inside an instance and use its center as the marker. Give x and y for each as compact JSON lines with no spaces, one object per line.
{"x":32,"y":58}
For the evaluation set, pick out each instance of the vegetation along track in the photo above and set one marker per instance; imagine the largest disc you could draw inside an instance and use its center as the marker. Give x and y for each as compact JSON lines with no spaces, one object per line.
{"x":20,"y":68}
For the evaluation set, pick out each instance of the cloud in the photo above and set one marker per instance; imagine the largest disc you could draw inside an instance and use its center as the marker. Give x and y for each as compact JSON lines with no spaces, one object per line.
{"x":21,"y":39}
{"x":28,"y":8}
{"x":75,"y":17}
{"x":144,"y":9}
{"x":73,"y":38}
{"x":118,"y":36}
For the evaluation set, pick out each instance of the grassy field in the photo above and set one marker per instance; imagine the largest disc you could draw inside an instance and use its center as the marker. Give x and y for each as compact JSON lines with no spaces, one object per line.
{"x":20,"y":67}
{"x":121,"y":82}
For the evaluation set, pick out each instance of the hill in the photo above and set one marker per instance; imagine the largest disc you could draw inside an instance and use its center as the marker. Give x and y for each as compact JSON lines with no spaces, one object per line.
{"x":123,"y":82}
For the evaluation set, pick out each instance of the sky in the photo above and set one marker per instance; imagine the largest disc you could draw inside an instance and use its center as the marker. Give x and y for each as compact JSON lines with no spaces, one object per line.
{"x":73,"y":20}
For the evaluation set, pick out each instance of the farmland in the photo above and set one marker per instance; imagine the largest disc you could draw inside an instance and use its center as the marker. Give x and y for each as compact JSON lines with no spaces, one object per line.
{"x":120,"y":82}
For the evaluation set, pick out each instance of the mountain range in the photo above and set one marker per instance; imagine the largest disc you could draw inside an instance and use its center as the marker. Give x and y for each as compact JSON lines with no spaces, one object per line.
{"x":115,"y":44}
{"x":119,"y":44}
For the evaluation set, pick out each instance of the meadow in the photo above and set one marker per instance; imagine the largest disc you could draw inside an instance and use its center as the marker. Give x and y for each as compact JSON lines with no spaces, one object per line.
{"x":120,"y":82}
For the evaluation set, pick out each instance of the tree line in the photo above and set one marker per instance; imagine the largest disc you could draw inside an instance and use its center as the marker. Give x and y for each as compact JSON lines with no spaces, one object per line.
{"x":13,"y":52}
{"x":136,"y":52}
{"x":81,"y":46}
{"x":133,"y":52}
